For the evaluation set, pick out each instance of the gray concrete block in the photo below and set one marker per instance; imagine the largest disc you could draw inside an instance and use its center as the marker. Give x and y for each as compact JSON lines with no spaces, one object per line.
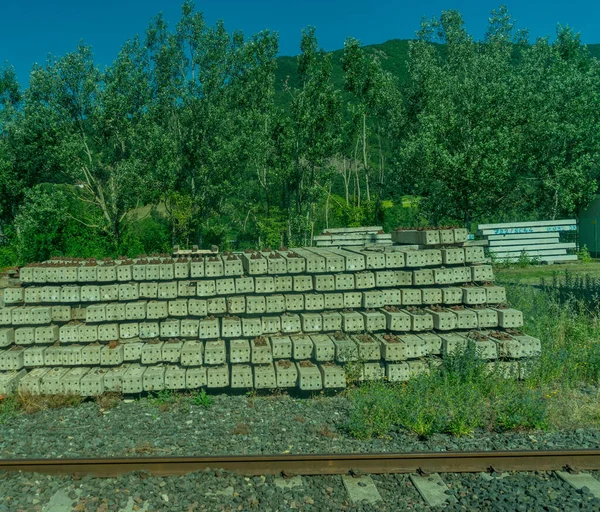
{"x":430,"y":296}
{"x":113,"y":377}
{"x":41,"y":315}
{"x":346,"y":349}
{"x":236,"y":304}
{"x":192,"y":353}
{"x":444,"y":276}
{"x":71,"y":381}
{"x":411,"y":296}
{"x":290,"y":323}
{"x":509,"y":318}
{"x":315,"y":264}
{"x":67,"y":356}
{"x":474,"y":295}
{"x":353,"y":262}
{"x":241,"y":376}
{"x":418,"y":237}
{"x":16,"y":295}
{"x":281,"y":346}
{"x":34,"y":356}
{"x":216,"y":305}
{"x":352,"y":321}
{"x":373,"y":299}
{"x":132,"y":351}
{"x":332,"y":321}
{"x":88,"y":333}
{"x":333,"y":300}
{"x":25,"y":336}
{"x":111,"y":355}
{"x":69,"y":333}
{"x":129,"y":291}
{"x":303,"y":283}
{"x":92,"y":383}
{"x":286,"y":374}
{"x":206,"y":288}
{"x":174,"y":377}
{"x":462,"y":274}
{"x":271,"y":324}
{"x":420,"y":320}
{"x":124,"y":272}
{"x":431,"y":257}
{"x":276,"y":264}
{"x":156,"y":310}
{"x":311,"y":322}
{"x":90,"y":354}
{"x":373,"y":371}
{"x":486,"y":349}
{"x":7,"y":336}
{"x":323,"y":282}
{"x":482,"y":273}
{"x":87,"y":273}
{"x":106,"y":273}
{"x":530,"y":346}
{"x":197,"y":307}
{"x":53,"y":356}
{"x":232,"y":265}
{"x":275,"y":303}
{"x":239,"y":351}
{"x":260,"y":350}
{"x":66,"y":274}
{"x":396,"y":320}
{"x":133,"y":379}
{"x":51,"y":382}
{"x":495,"y":294}
{"x":264,"y":376}
{"x":423,"y":277}
{"x":373,"y":259}
{"x":171,"y":351}
{"x":333,"y":262}
{"x":314,"y":301}
{"x":385,"y":278}
{"x":393,"y":348}
{"x":109,"y":292}
{"x":197,"y":268}
{"x":244,"y":285}
{"x":115,"y":312}
{"x":178,"y":308}
{"x":364,"y":280}
{"x":295,"y":264}
{"x":31,"y":383}
{"x":294,"y":302}
{"x":344,"y":281}
{"x":254,"y":263}
{"x":394,"y":258}
{"x":181,"y":270}
{"x":453,"y":343}
{"x":26,"y":274}
{"x":32,"y":295}
{"x":135,"y":310}
{"x":138,"y":272}
{"x":148,"y":290}
{"x":166,"y":271}
{"x":413,"y":258}
{"x":474,"y":254}
{"x":149,"y":330}
{"x":369,"y":349}
{"x":255,"y":304}
{"x":397,"y":372}
{"x":453,"y":255}
{"x":213,"y":266}
{"x":71,"y":294}
{"x":186,"y":289}
{"x":334,"y":377}
{"x":217,"y":376}
{"x":129,"y":330}
{"x":432,"y":343}
{"x":486,"y":318}
{"x":170,"y":328}
{"x":283,"y":283}
{"x":95,"y":313}
{"x":465,"y":318}
{"x":48,"y":294}
{"x":452,"y":295}
{"x":309,"y":376}
{"x":403,"y":278}
{"x":39,"y":275}
{"x":443,"y":320}
{"x":209,"y":328}
{"x":323,"y":347}
{"x":302,"y":347}
{"x":231,"y":327}
{"x":215,"y":352}
{"x":167,"y":290}
{"x":59,"y":313}
{"x":374,"y":320}
{"x":195,"y":378}
{"x":225,"y":286}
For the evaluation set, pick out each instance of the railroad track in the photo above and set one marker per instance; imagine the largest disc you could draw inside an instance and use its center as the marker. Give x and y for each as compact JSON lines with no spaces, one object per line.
{"x":322,"y":464}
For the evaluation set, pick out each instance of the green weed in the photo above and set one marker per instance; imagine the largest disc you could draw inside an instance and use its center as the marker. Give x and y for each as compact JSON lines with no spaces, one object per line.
{"x":202,"y":399}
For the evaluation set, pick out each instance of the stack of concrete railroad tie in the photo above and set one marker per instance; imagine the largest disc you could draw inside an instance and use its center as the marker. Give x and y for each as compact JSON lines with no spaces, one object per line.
{"x":286,"y":318}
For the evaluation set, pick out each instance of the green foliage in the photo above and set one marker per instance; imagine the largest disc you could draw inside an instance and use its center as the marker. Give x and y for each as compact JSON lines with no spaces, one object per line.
{"x":9,"y":408}
{"x":521,"y":409}
{"x":202,"y":399}
{"x":583,"y":255}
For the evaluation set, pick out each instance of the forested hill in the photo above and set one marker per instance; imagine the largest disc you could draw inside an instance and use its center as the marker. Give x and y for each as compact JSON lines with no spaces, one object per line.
{"x":393,"y":55}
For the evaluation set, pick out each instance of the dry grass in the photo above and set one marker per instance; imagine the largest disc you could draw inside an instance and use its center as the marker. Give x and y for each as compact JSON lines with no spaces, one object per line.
{"x":31,"y":403}
{"x":108,"y":401}
{"x":241,"y":429}
{"x":571,"y":409}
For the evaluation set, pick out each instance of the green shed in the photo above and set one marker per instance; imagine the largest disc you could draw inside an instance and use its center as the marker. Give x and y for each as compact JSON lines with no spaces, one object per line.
{"x":589,"y":227}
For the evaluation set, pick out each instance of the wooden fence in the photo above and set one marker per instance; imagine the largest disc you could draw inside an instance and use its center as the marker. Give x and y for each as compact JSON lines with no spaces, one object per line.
{"x":542,"y":240}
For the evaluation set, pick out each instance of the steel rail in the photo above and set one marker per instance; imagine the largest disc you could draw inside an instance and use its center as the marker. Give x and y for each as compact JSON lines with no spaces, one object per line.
{"x":321,"y":464}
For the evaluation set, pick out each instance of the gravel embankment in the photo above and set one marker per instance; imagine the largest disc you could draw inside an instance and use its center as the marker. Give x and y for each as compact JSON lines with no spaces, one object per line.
{"x":223,"y":491}
{"x":235,"y":425}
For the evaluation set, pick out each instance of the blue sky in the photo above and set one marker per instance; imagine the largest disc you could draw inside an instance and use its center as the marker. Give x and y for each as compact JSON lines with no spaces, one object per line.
{"x":33,"y":29}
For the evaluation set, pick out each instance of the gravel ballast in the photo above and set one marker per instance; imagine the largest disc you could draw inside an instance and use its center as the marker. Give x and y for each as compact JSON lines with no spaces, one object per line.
{"x":236,"y":425}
